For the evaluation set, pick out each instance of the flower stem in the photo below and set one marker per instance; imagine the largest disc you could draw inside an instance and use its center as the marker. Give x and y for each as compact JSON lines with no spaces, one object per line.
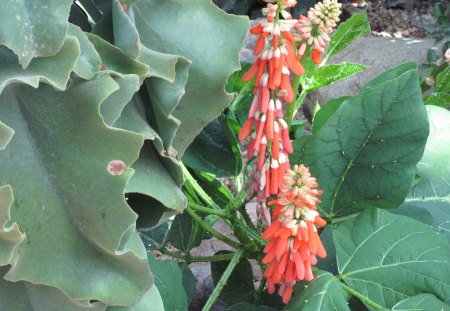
{"x":223,"y":280}
{"x":198,"y":189}
{"x":361,"y":297}
{"x":292,"y":108}
{"x":208,"y":210}
{"x":342,"y":218}
{"x":213,"y":231}
{"x":189,"y":258}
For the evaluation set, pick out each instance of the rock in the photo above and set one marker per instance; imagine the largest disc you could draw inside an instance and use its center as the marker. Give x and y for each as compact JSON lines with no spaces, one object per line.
{"x":379,"y":54}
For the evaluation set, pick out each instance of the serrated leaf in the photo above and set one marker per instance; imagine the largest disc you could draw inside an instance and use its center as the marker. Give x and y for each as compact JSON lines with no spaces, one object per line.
{"x":25,"y":296}
{"x":215,"y":150}
{"x":429,"y":199}
{"x":443,"y":82}
{"x":326,"y":111}
{"x":54,"y":70}
{"x":440,"y":99}
{"x":365,"y":154}
{"x":329,"y":74}
{"x":169,"y":281}
{"x":89,"y":62}
{"x":239,"y":286}
{"x":189,"y":33}
{"x":353,"y":28}
{"x":422,"y":302}
{"x":10,"y":235}
{"x":388,"y":257}
{"x":324,"y":293}
{"x":34,"y":28}
{"x":63,"y":194}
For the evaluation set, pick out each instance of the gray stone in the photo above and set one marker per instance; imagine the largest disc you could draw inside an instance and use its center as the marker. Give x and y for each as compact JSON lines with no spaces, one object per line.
{"x":379,"y":54}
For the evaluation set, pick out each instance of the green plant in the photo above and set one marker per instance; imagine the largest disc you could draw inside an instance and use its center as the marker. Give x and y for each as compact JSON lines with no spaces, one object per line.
{"x":116,"y":125}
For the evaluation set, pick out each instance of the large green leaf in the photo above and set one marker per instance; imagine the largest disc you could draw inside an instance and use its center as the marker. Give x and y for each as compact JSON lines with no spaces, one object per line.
{"x":239,"y":286}
{"x":388,"y":257}
{"x":185,"y":233}
{"x":152,"y":179}
{"x":10,"y":235}
{"x":34,"y":28}
{"x":111,"y":109}
{"x":332,"y":73}
{"x":68,"y":174}
{"x":113,"y":59}
{"x":324,"y":293}
{"x":422,"y":302}
{"x":365,"y":154}
{"x":169,"y":281}
{"x":89,"y":62}
{"x":24,"y":296}
{"x":208,"y":37}
{"x":54,"y":70}
{"x":353,"y":28}
{"x":429,"y":199}
{"x":326,"y":111}
{"x":215,"y":150}
{"x":151,"y":301}
{"x":159,"y":198}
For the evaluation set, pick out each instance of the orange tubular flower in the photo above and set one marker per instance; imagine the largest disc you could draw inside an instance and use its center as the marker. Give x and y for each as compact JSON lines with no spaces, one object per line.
{"x":293,"y":240}
{"x":276,"y":59}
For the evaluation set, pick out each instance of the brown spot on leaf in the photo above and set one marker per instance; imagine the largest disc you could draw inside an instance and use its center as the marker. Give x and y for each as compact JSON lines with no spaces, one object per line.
{"x":116,"y":167}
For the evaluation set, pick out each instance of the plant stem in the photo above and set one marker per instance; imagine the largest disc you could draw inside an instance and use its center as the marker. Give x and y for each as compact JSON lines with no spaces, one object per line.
{"x":213,"y":231}
{"x":188,"y":258}
{"x":262,"y":284}
{"x":199,"y":190}
{"x":361,"y":297}
{"x":292,"y":108}
{"x":342,"y":218}
{"x":223,"y":280}
{"x":208,"y":210}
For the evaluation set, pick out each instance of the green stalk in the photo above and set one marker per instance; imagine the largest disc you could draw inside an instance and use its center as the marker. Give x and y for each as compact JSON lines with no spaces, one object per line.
{"x":189,"y":258}
{"x":361,"y":297}
{"x":342,"y":218}
{"x":292,"y":108}
{"x":213,"y":231}
{"x":208,"y":210}
{"x":199,"y":190}
{"x":223,"y":280}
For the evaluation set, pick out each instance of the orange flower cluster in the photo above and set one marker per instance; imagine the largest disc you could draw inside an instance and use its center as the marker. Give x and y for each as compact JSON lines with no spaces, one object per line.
{"x":293,"y":239}
{"x":276,"y":59}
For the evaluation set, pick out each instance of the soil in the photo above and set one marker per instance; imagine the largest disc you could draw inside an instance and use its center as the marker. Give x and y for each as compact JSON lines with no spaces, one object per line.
{"x":396,"y":18}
